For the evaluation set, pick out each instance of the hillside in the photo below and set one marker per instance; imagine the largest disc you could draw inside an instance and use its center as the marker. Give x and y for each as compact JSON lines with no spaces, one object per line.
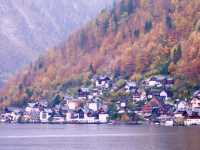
{"x":136,"y":39}
{"x":28,"y":28}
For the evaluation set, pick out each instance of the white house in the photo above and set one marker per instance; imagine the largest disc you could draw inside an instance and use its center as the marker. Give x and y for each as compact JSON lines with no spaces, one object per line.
{"x":192,"y":121}
{"x":31,"y":108}
{"x":44,"y":116}
{"x":182,"y":106}
{"x":164,"y":95}
{"x":103,"y":82}
{"x":90,"y":97}
{"x":178,"y":115}
{"x":103,"y":118}
{"x":93,"y":106}
{"x":73,"y":104}
{"x":79,"y":116}
{"x":83,"y":93}
{"x":91,"y":119}
{"x":15,"y":117}
{"x":5,"y":117}
{"x":123,"y":104}
{"x":195,"y":103}
{"x":130,"y":86}
{"x":154,"y":84}
{"x":68,"y":117}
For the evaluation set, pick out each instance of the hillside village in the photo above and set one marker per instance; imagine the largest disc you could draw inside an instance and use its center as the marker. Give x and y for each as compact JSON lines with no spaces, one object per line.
{"x":107,"y":99}
{"x":136,"y":63}
{"x":140,"y":38}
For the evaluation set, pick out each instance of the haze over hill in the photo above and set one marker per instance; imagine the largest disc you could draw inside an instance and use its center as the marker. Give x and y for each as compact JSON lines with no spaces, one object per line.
{"x":136,"y":39}
{"x":28,"y":27}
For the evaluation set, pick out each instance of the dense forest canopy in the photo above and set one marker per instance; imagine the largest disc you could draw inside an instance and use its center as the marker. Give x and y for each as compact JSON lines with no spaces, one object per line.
{"x":135,"y":39}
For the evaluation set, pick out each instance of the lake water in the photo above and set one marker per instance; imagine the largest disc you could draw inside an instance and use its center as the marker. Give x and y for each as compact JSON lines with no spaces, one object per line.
{"x":97,"y":137}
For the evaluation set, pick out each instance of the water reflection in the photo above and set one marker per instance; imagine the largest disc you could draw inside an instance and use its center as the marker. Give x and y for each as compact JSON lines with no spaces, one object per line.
{"x":97,"y":137}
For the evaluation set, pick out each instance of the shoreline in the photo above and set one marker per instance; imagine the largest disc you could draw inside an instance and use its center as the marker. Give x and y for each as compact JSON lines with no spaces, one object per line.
{"x":109,"y":123}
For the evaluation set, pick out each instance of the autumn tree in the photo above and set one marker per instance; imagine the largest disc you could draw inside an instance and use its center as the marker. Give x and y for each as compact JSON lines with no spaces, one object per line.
{"x":148,"y":26}
{"x":176,"y":53}
{"x":29,"y":92}
{"x":91,"y":70}
{"x":82,"y":39}
{"x":169,"y":22}
{"x":55,"y":101}
{"x":117,"y":72}
{"x":197,"y":27}
{"x":103,"y":21}
{"x":136,"y":33}
{"x":114,"y":22}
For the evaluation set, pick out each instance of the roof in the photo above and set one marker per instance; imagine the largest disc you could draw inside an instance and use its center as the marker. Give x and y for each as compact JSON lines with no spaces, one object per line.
{"x":197,"y":94}
{"x":103,"y":77}
{"x":131,"y":83}
{"x":67,"y":97}
{"x":32,"y":104}
{"x":43,"y":102}
{"x":158,"y":77}
{"x":155,"y":101}
{"x":48,"y":110}
{"x":14,"y":109}
{"x":84,"y":89}
{"x":193,"y":117}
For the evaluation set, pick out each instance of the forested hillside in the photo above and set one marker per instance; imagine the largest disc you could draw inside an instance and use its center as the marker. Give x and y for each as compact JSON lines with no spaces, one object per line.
{"x":136,"y":39}
{"x":28,"y":28}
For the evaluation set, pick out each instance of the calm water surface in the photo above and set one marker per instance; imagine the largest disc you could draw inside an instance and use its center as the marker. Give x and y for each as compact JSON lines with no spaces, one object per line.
{"x":98,"y":137}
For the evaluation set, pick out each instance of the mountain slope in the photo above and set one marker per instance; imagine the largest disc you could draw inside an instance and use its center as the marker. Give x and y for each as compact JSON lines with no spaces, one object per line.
{"x":27,"y":28}
{"x":137,"y":38}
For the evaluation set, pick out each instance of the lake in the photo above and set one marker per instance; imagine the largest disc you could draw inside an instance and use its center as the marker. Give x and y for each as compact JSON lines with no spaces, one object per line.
{"x":97,"y":137}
